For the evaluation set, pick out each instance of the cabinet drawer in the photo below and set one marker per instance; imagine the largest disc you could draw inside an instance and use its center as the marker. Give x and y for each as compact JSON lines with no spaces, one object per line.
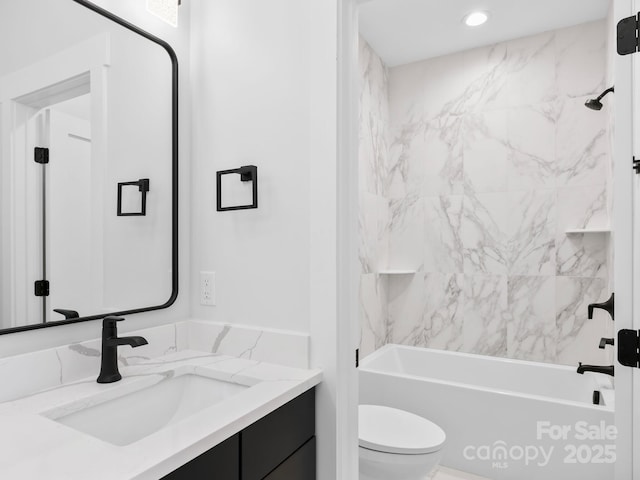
{"x":222,"y":462}
{"x":299,"y":466}
{"x":271,"y":440}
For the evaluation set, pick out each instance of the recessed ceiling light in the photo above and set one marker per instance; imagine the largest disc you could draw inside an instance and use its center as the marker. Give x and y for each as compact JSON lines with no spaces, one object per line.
{"x":475,"y":19}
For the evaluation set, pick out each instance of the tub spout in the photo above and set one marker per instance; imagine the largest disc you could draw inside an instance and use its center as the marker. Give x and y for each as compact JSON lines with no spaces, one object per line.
{"x":595,"y":368}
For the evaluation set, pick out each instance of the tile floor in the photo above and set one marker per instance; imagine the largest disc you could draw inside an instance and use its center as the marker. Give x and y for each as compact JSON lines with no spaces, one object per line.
{"x":444,"y":473}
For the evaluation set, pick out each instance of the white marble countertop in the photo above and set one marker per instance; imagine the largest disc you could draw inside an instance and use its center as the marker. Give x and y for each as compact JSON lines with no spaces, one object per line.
{"x":33,"y":446}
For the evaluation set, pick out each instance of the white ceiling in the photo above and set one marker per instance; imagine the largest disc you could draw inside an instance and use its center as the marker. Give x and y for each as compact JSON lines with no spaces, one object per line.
{"x":405,"y":31}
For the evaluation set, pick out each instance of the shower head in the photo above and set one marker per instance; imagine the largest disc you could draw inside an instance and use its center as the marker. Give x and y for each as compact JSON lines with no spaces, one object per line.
{"x":595,"y":103}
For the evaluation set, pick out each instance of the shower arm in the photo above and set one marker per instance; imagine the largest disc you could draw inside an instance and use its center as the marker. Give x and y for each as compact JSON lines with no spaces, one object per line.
{"x":607,"y":91}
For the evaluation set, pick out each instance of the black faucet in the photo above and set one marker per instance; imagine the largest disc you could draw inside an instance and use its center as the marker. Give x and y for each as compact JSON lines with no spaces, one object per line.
{"x":608,"y":306}
{"x":595,"y":368}
{"x":109,"y":366}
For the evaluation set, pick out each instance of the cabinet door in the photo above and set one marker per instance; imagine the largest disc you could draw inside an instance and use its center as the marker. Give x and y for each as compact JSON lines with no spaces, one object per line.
{"x":222,"y":462}
{"x":299,"y":466}
{"x":270,"y":441}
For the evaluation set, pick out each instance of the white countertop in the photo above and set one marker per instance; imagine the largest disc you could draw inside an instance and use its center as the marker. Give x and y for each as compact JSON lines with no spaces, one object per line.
{"x":33,"y":446}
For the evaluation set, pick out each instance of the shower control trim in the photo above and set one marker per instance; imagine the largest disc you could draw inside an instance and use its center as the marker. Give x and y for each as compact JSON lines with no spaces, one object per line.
{"x":608,"y":306}
{"x":606,"y":341}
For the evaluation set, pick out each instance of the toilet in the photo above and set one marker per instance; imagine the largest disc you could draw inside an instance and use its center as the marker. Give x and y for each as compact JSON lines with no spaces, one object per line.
{"x":397,"y":445}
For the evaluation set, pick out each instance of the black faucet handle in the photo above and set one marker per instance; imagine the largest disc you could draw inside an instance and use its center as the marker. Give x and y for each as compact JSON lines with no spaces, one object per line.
{"x":111,"y":322}
{"x":68,"y":314}
{"x":608,"y":306}
{"x":606,"y":341}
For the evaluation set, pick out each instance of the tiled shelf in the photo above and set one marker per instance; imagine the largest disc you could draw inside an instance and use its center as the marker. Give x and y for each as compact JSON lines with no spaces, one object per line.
{"x":397,"y":272}
{"x":581,"y":231}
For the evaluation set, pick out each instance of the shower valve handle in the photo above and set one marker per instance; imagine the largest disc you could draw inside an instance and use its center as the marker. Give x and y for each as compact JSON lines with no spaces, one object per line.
{"x":606,"y":341}
{"x":608,"y":306}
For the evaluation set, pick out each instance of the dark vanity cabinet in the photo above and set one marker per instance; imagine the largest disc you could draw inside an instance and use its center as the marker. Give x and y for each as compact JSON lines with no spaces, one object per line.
{"x":222,"y":461}
{"x":280,"y":446}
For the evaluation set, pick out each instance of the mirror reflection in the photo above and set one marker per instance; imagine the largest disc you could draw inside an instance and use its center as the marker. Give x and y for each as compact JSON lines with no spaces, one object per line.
{"x":85,"y":105}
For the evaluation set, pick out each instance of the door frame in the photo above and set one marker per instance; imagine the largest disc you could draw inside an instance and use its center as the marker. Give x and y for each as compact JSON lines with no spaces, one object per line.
{"x":626,"y":268}
{"x":22,"y":94}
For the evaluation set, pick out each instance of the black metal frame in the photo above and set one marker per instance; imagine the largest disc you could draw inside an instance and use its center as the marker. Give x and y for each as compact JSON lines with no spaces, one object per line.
{"x":143,"y":188}
{"x":248,"y":173}
{"x":174,"y":186}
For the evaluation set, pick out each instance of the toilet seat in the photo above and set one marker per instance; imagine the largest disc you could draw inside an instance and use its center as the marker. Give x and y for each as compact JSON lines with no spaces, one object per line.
{"x":389,"y":430}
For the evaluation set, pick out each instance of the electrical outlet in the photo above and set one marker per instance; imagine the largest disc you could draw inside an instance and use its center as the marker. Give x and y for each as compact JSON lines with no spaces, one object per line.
{"x":207,"y":288}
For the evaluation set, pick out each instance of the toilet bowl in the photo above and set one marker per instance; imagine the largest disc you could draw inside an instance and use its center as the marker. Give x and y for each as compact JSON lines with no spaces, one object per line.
{"x":397,"y":445}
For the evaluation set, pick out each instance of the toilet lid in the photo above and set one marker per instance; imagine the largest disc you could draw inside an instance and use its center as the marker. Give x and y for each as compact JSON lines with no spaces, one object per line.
{"x":390,"y":430}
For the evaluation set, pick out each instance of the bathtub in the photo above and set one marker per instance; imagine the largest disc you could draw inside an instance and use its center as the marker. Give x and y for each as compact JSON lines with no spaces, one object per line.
{"x":504,"y":419}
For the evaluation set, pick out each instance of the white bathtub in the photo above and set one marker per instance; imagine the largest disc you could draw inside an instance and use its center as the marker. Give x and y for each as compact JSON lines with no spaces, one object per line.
{"x":504,"y":419}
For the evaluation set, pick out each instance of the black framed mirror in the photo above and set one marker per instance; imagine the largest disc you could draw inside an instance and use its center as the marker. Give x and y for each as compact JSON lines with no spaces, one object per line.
{"x":87,"y":104}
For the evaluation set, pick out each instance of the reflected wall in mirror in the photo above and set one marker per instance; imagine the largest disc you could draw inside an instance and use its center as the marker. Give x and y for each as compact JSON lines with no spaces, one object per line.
{"x":86,"y":103}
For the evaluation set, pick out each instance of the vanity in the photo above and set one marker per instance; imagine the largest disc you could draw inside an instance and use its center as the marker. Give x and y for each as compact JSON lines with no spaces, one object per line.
{"x":280,"y":446}
{"x":89,"y":134}
{"x":188,"y":414}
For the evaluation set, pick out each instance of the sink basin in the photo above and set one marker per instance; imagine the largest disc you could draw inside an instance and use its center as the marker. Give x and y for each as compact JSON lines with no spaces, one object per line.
{"x":129,"y":418}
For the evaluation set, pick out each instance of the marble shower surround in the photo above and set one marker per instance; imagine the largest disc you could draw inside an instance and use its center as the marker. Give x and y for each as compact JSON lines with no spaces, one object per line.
{"x":374,"y":213}
{"x":490,"y":156}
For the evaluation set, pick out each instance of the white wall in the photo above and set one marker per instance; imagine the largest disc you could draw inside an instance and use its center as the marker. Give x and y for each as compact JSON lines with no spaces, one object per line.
{"x":265,"y":89}
{"x":136,"y":13}
{"x":251,"y":86}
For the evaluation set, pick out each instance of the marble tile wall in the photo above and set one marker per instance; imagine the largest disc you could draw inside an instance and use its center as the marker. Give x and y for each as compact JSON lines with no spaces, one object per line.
{"x":373,"y":216}
{"x":491,"y":157}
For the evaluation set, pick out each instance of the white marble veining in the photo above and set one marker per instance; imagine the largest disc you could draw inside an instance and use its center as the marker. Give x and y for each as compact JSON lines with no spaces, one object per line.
{"x":532,"y":140}
{"x":580,"y":51}
{"x":531,"y":327}
{"x":484,"y":226}
{"x":485,"y":315}
{"x":374,"y":120}
{"x":531,"y":232}
{"x":406,"y":233}
{"x":373,"y":219}
{"x":584,"y":159}
{"x":58,"y":366}
{"x":443,"y":315}
{"x":443,"y":246}
{"x":582,"y":255}
{"x":491,"y":158}
{"x":574,"y":329}
{"x":373,"y":312}
{"x":374,"y":215}
{"x":265,"y":345}
{"x":34,"y":445}
{"x":486,"y":151}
